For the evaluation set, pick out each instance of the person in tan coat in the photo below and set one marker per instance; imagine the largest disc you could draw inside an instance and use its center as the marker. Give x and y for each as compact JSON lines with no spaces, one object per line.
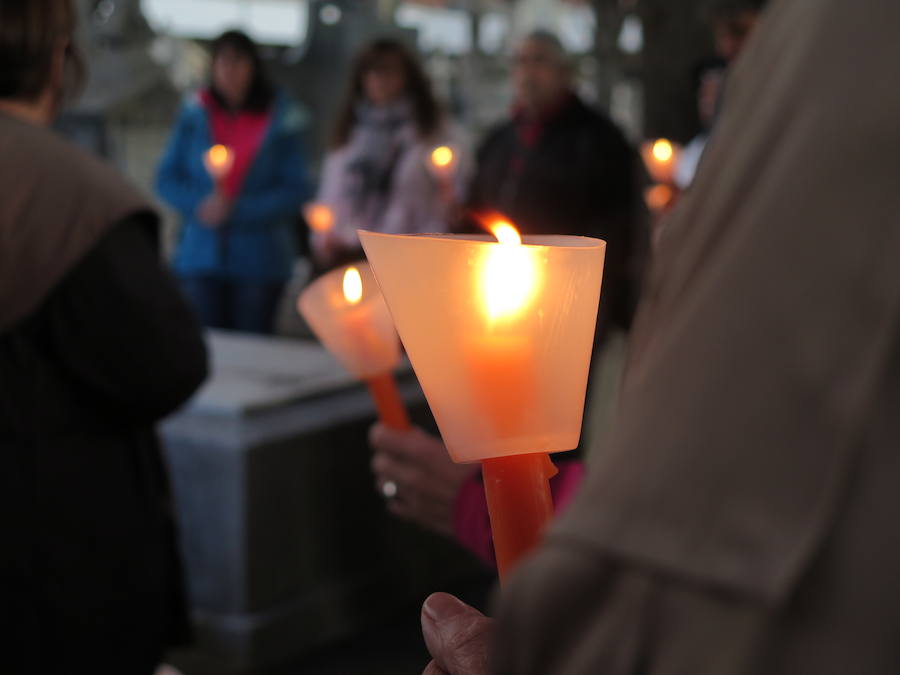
{"x":742,"y":519}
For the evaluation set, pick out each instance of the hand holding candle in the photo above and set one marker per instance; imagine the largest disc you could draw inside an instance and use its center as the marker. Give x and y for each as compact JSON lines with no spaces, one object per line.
{"x":218,"y":160}
{"x":661,"y":157}
{"x":215,"y":209}
{"x":500,"y":335}
{"x":345,"y":310}
{"x":442,"y":163}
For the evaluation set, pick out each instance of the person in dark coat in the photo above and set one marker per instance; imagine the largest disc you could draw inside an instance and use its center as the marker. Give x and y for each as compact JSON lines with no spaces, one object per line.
{"x":96,"y":346}
{"x":557,"y":166}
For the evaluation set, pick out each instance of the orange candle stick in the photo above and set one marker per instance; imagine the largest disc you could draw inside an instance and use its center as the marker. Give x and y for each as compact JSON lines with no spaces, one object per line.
{"x":345,"y":310}
{"x":519,"y":503}
{"x":499,"y":333}
{"x":388,"y":402}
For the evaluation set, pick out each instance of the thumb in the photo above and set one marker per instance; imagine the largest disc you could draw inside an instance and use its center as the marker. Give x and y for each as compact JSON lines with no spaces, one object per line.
{"x":458,"y":636}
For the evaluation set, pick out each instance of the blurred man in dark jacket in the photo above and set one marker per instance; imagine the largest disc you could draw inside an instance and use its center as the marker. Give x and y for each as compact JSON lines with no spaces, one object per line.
{"x":96,"y":346}
{"x":559,"y":167}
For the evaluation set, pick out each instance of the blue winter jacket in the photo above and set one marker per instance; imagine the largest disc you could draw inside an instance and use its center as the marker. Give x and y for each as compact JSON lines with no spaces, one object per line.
{"x":260,"y":235}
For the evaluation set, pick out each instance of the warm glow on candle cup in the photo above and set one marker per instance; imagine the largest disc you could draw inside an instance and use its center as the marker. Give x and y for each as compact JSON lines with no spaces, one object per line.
{"x":359,"y":332}
{"x":661,"y":157}
{"x":500,"y":335}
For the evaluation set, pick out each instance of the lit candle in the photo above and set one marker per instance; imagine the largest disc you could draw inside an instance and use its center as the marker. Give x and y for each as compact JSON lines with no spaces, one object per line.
{"x":500,"y":335}
{"x":218,"y":160}
{"x":347,"y":313}
{"x":501,"y":358}
{"x":661,"y":157}
{"x":502,"y":372}
{"x":319,"y":217}
{"x":442,"y":163}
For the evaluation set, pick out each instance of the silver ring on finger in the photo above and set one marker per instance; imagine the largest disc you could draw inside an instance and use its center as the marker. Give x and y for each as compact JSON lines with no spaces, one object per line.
{"x":389,"y":489}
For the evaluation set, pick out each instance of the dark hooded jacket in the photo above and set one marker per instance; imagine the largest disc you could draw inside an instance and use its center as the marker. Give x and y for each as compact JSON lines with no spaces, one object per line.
{"x":96,"y":345}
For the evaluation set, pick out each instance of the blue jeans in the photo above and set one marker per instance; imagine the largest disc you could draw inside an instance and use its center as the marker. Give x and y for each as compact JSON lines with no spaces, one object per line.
{"x":234,"y":304}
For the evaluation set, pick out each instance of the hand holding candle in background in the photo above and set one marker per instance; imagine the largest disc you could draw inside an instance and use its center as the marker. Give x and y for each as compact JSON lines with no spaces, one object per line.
{"x":215,"y":209}
{"x":346,"y":311}
{"x":218,"y":160}
{"x":443,"y":163}
{"x":661,"y":157}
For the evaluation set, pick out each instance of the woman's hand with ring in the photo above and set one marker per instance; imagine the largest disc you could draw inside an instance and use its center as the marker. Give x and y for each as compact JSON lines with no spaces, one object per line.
{"x":414,"y":472}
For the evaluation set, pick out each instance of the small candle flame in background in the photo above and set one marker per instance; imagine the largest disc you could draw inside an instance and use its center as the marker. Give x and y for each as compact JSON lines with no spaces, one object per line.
{"x":442,"y":157}
{"x":510,"y":276}
{"x":662,"y":150}
{"x":218,"y":155}
{"x":218,"y":160}
{"x":353,"y":286}
{"x":660,"y":157}
{"x":319,"y":217}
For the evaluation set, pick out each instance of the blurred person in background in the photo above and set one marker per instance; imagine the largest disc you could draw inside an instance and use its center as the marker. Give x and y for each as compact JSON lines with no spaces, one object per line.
{"x":708,"y":77}
{"x":96,"y":346}
{"x":238,"y":243}
{"x":376,"y":174}
{"x":557,"y":166}
{"x":733,"y":22}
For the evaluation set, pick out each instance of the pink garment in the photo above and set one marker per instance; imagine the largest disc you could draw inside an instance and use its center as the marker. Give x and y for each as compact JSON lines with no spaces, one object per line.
{"x":472,"y":525}
{"x":243,"y":132}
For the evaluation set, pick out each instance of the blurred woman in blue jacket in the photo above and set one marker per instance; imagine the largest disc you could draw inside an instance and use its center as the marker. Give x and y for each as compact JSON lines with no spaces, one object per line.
{"x":237,"y":245}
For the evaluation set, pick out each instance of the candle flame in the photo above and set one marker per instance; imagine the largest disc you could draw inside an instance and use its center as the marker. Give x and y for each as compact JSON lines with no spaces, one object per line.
{"x":218,"y":155}
{"x":319,"y":217}
{"x":218,"y":160}
{"x":353,"y":287}
{"x":442,"y":157}
{"x":662,"y":150}
{"x":510,"y":273}
{"x":505,"y":232}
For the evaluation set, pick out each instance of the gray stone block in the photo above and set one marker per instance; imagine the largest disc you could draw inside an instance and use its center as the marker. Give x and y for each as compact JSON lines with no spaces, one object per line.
{"x":285,"y":542}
